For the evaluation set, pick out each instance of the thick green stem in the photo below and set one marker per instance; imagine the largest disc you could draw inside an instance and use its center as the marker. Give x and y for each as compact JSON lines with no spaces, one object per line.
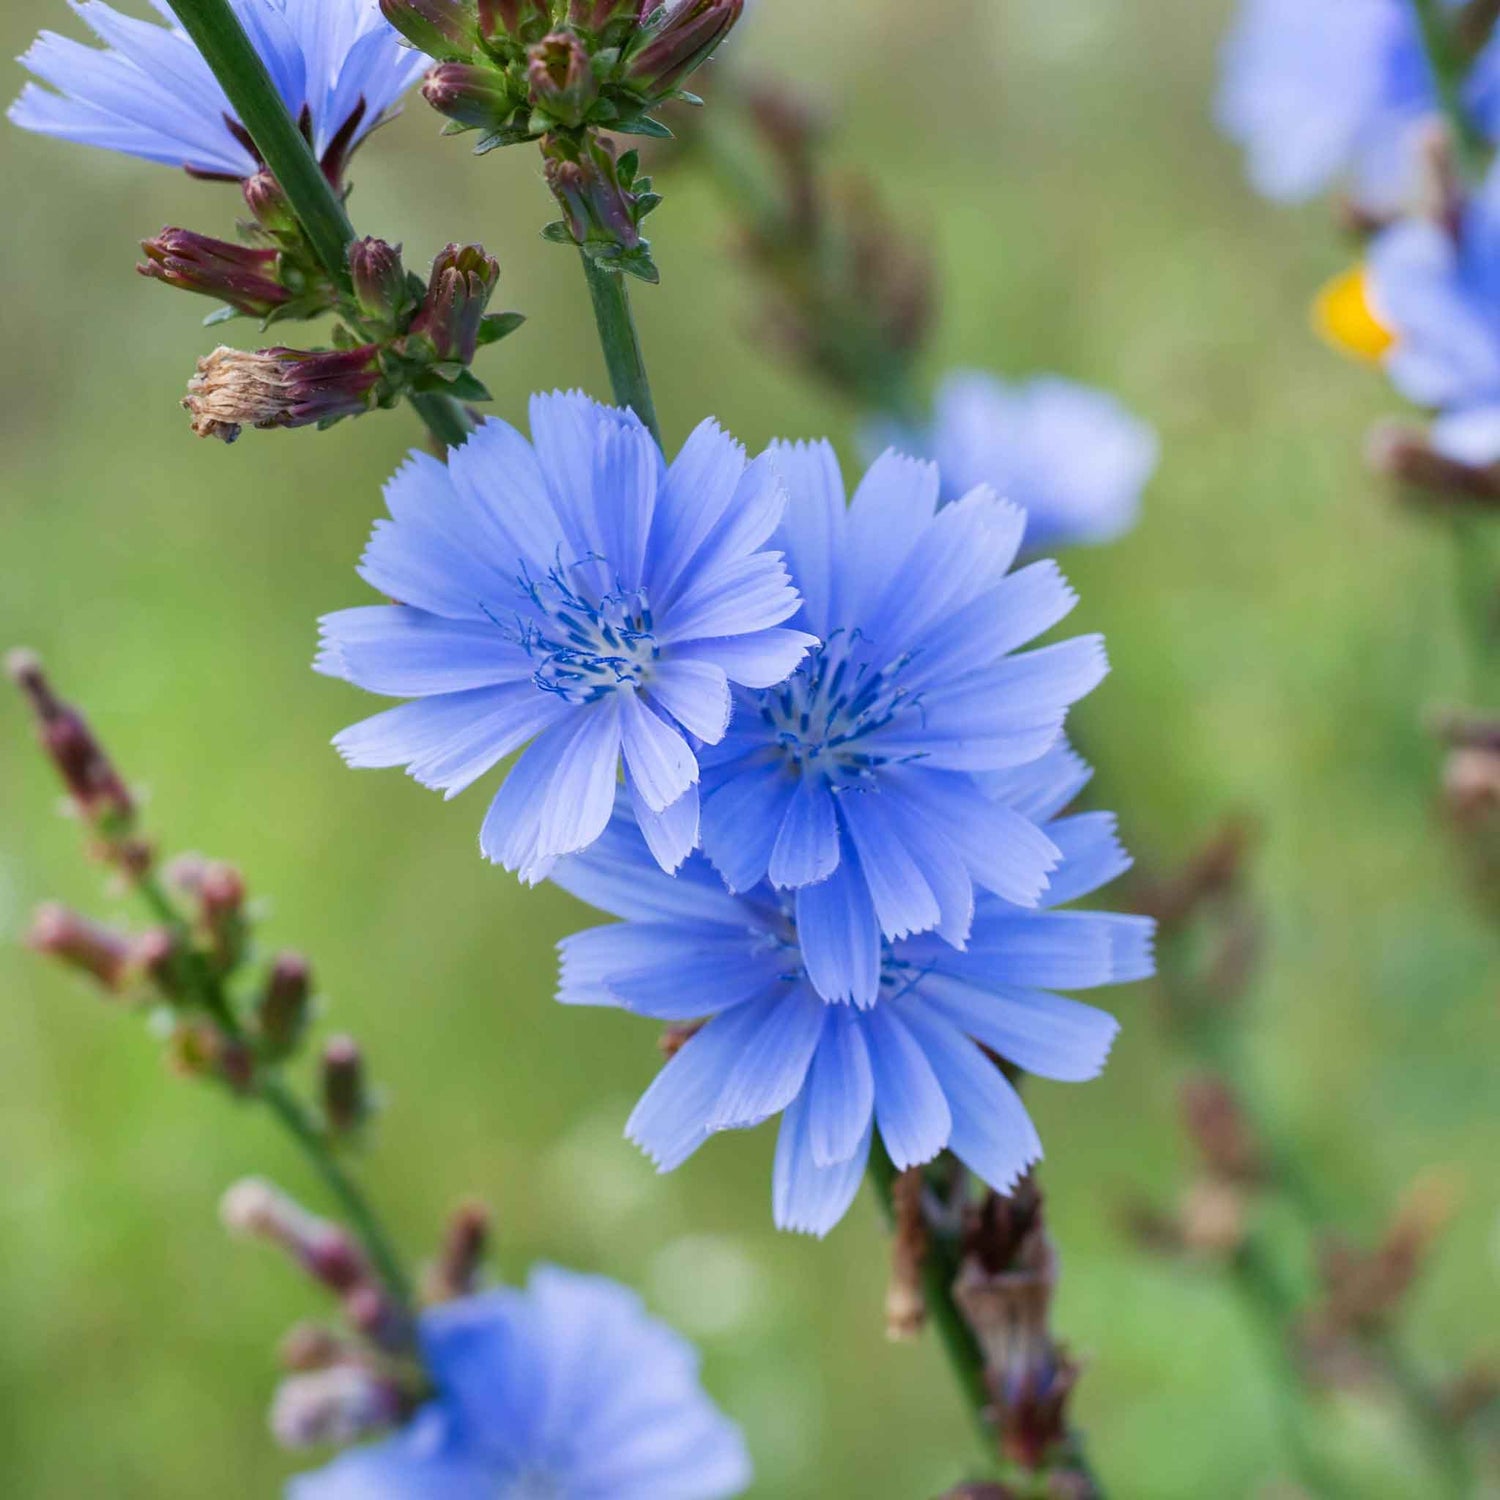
{"x":1450,"y":66}
{"x":208,"y":992}
{"x":620,"y":342}
{"x":939,"y":1273}
{"x":216,"y":32}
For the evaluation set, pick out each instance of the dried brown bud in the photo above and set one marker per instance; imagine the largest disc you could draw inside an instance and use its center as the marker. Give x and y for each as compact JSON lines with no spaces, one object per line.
{"x":455,"y":1272}
{"x":1219,"y":1129}
{"x":311,"y":1346}
{"x":87,"y":946}
{"x":346,"y":1103}
{"x":1471,"y":784}
{"x":1404,"y":454}
{"x":1213,"y":871}
{"x":1214,"y":1217}
{"x":905,"y":1304}
{"x":281,"y":1013}
{"x":341,"y":1404}
{"x":235,"y":388}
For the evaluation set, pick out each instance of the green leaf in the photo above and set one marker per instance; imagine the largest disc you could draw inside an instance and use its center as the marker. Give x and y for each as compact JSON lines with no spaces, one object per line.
{"x":495,"y":326}
{"x":558,"y":232}
{"x":645,"y":125}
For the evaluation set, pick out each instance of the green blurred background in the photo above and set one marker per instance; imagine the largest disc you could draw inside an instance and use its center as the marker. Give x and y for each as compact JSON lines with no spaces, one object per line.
{"x":1275,"y":627}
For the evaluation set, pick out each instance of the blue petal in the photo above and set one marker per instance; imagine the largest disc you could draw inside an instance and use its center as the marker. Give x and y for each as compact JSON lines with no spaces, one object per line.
{"x":699,"y":489}
{"x":807,"y":1198}
{"x":1092,"y":856}
{"x":496,"y":476}
{"x":1065,"y":950}
{"x":671,"y":1120}
{"x":992,"y":1134}
{"x":840,"y":936}
{"x":743,"y":812}
{"x":753,"y":593}
{"x":695,"y":693}
{"x":417,"y":1463}
{"x":904,"y":902}
{"x":389,"y":648}
{"x":660,"y":764}
{"x":511,"y":832}
{"x":1041,"y":788}
{"x":773,"y":1061}
{"x":760,"y":660}
{"x":813,"y":525}
{"x":581,"y":793}
{"x":840,"y":1090}
{"x":1039,"y":1032}
{"x":671,"y":834}
{"x":891,"y":511}
{"x":910,"y":1108}
{"x":807,"y":845}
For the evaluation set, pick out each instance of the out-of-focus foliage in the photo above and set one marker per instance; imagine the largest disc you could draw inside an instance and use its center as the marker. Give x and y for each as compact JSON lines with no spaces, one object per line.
{"x":1272,"y":623}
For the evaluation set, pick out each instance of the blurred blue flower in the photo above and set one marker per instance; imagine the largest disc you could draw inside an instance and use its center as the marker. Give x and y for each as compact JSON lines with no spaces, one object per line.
{"x":1074,"y":459}
{"x":860,"y":783}
{"x":576,"y":595}
{"x":147,"y":92}
{"x":567,"y":1389}
{"x":1323,"y":91}
{"x":1436,"y":291}
{"x":912,"y":1064}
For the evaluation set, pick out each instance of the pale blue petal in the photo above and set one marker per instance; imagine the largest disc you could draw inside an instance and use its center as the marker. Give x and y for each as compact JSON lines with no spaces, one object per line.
{"x":426,"y":1458}
{"x":890,"y":512}
{"x":1092,"y":856}
{"x":807,"y":1198}
{"x":581,"y":794}
{"x":840,"y":935}
{"x":699,"y":489}
{"x":760,"y":660}
{"x":840,"y":1090}
{"x":772,"y":1063}
{"x":671,"y":834}
{"x":657,"y":758}
{"x":743,"y":811}
{"x":807,"y":845}
{"x":1471,"y":436}
{"x":511,"y":832}
{"x":1064,"y":950}
{"x":904,"y":902}
{"x":910,"y":1108}
{"x":1041,"y":788}
{"x":813,"y":526}
{"x":752,"y":593}
{"x":694,"y":692}
{"x":409,"y":653}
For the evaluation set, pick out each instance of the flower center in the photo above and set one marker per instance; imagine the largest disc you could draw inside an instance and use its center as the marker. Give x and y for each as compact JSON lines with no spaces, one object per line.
{"x":823,"y":716}
{"x":584,"y":648}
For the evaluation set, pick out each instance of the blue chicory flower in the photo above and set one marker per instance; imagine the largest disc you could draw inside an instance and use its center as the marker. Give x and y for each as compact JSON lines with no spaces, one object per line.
{"x":568,"y":1389}
{"x":339,"y":66}
{"x":1435,"y":288}
{"x":918,"y":1064}
{"x":1323,"y":91}
{"x":1073,"y":458}
{"x":860,"y":783}
{"x":575,"y":594}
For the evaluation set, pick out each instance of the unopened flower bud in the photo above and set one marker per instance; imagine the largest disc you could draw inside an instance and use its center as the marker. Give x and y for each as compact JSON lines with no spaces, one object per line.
{"x":155,"y":955}
{"x":463,"y":280}
{"x":1406,"y":455}
{"x":440,"y":28}
{"x":243,"y":277}
{"x":338,"y":1405}
{"x":255,"y":1209}
{"x":234,"y":388}
{"x":201,"y":1049}
{"x":267,"y":201}
{"x":1215,"y":1123}
{"x":379,"y":278}
{"x":281,"y":1013}
{"x":609,"y":20}
{"x":519,"y":21}
{"x":221,"y":906}
{"x":1471,"y":784}
{"x":684,"y":41}
{"x":94,"y":786}
{"x":455,"y":1272}
{"x":470,"y":95}
{"x":87,"y":946}
{"x":346,"y":1103}
{"x":311,"y":1346}
{"x":562,"y":78}
{"x":601,"y":201}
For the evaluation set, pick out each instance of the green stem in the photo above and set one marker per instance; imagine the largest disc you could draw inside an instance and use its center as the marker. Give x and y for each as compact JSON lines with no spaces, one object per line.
{"x":620,"y":342}
{"x":939,"y":1272}
{"x":208,"y":991}
{"x":216,"y":32}
{"x":446,"y":418}
{"x":294,"y":1115}
{"x":1450,"y":67}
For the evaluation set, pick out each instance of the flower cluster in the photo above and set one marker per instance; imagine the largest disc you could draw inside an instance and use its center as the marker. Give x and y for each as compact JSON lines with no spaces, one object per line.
{"x":871,"y":765}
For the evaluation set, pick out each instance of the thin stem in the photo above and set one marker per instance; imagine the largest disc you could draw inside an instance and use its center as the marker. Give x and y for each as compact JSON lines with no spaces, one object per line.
{"x":208,"y":991}
{"x":620,"y":342}
{"x":216,"y":32}
{"x":939,"y":1272}
{"x":293,"y":1114}
{"x":1450,"y":67}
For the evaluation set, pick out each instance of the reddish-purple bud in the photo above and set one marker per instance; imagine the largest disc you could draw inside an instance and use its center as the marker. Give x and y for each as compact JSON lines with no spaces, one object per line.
{"x":267,"y":200}
{"x":340,"y":1404}
{"x":155,"y":954}
{"x":243,"y":277}
{"x":562,"y":78}
{"x":682,"y":43}
{"x":455,"y":1272}
{"x":281,"y":1013}
{"x":608,"y":19}
{"x":462,"y":282}
{"x":440,"y":28}
{"x":93,"y":784}
{"x":379,"y":280}
{"x":74,"y":940}
{"x":522,"y":21}
{"x":256,"y":1210}
{"x":585,"y":180}
{"x":470,"y":95}
{"x":279,"y":387}
{"x":346,"y":1102}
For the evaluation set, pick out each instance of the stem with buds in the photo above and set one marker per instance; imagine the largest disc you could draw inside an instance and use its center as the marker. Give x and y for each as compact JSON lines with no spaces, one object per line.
{"x":218,"y":35}
{"x":620,"y":342}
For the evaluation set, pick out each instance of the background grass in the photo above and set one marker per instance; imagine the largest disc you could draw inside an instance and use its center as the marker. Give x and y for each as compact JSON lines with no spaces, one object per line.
{"x":1275,"y":626}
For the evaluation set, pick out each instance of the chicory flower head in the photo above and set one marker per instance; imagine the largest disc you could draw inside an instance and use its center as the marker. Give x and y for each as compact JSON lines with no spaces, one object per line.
{"x":1326,"y":91}
{"x":918,"y":1064}
{"x":860,"y":784}
{"x":1434,"y":293}
{"x":1073,"y":458}
{"x":565,"y":1390}
{"x":576,"y":595}
{"x":337,"y":64}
